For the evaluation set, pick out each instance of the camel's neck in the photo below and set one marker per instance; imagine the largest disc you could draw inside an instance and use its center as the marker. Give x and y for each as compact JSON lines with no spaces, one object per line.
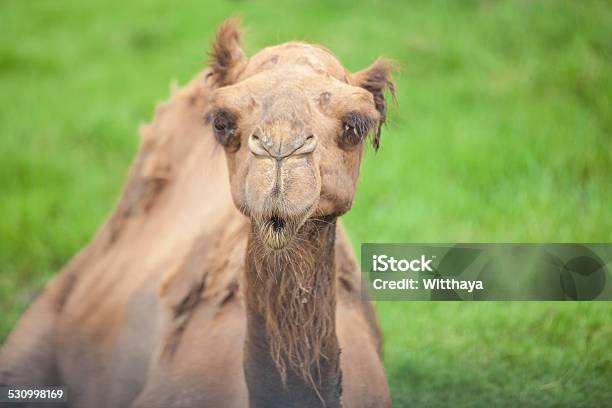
{"x":292,"y":357}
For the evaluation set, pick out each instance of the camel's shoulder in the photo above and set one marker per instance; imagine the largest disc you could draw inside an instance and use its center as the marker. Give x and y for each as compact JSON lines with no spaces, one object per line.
{"x":350,"y":296}
{"x":212,"y":268}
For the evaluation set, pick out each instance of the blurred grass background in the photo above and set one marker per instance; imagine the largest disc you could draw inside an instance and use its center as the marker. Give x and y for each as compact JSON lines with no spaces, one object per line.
{"x":503,"y":133}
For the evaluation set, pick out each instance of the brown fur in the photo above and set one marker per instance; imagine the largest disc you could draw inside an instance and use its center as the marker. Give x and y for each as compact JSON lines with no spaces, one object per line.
{"x":294,"y":296}
{"x":226,"y":57}
{"x":377,"y":80}
{"x":174,"y":302}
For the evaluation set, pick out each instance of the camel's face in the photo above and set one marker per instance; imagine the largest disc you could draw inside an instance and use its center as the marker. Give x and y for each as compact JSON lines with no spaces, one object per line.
{"x":293,"y":128}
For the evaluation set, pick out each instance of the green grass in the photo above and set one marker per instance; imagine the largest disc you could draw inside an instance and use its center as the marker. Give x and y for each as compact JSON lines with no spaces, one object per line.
{"x":503,"y":133}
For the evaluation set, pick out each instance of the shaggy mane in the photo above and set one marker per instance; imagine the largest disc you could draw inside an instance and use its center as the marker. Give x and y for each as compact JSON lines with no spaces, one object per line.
{"x":295,"y":292}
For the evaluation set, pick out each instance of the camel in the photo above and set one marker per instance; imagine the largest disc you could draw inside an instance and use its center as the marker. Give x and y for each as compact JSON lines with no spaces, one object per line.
{"x":223,"y":278}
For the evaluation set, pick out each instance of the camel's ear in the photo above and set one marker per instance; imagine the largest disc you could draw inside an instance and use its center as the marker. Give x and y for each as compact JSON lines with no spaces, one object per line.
{"x":377,"y":79}
{"x":226,"y":57}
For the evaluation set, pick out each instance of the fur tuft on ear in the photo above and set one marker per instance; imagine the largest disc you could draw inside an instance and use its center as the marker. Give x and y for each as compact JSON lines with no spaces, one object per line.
{"x":377,"y":79}
{"x":226,"y":56}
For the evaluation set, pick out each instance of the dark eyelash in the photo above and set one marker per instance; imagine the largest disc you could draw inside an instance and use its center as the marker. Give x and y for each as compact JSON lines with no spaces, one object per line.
{"x":355,"y":128}
{"x":223,"y":120}
{"x":219,"y":124}
{"x":224,"y":128}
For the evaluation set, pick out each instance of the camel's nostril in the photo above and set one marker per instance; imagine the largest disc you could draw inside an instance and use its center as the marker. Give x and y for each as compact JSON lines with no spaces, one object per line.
{"x":277,"y":223}
{"x":308,"y":145}
{"x":255,"y":137}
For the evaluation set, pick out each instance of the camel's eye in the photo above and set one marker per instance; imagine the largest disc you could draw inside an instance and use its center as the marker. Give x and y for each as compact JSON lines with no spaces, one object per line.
{"x":220,"y":124}
{"x":351,"y":135}
{"x":224,"y":128}
{"x":355,"y":128}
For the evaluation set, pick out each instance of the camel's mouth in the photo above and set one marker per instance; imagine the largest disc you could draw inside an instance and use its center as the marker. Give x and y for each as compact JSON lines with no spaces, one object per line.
{"x":277,"y":228}
{"x":277,"y":223}
{"x":276,"y":231}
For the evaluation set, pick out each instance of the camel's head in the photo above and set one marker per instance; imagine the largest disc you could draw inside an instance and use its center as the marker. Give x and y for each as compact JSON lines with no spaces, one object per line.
{"x":293,"y":123}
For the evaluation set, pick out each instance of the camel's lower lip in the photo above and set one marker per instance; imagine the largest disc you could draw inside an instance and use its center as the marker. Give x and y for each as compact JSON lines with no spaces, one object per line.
{"x":276,"y":228}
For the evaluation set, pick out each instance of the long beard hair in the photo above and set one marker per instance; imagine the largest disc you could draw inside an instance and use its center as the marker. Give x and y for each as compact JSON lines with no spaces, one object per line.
{"x":294,"y":288}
